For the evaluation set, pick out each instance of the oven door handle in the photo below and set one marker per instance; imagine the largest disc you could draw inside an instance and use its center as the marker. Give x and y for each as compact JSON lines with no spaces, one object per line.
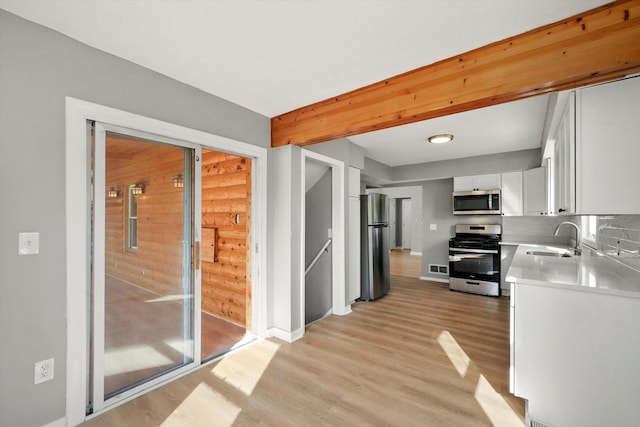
{"x":474,"y":251}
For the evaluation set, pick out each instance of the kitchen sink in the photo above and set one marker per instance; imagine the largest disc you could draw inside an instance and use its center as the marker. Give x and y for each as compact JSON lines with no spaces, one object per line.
{"x":550,"y":253}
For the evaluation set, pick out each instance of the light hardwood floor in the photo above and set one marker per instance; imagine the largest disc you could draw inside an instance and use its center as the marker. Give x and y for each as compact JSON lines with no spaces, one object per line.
{"x":402,"y":263}
{"x":420,"y":356}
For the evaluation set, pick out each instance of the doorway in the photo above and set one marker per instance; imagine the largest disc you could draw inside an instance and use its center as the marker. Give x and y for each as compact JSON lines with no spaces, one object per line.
{"x":317,"y":229}
{"x":406,"y":224}
{"x":326,"y":231}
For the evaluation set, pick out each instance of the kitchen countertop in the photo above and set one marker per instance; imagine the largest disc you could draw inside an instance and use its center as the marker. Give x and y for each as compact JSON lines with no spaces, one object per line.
{"x":590,"y":272}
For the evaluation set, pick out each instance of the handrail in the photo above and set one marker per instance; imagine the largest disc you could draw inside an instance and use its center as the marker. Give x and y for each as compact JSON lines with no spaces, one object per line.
{"x":315,"y":260}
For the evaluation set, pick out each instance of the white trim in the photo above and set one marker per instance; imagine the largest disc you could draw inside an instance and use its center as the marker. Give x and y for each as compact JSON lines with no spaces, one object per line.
{"x":338,"y":258}
{"x":286,"y":336}
{"x":415,"y":253}
{"x":434,"y":279}
{"x":77,"y":222}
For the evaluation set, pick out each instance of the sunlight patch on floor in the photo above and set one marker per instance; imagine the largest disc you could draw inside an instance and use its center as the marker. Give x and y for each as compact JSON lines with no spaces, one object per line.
{"x":203,"y":407}
{"x":494,"y":405}
{"x":170,"y":298}
{"x":181,"y":346}
{"x":135,"y":358}
{"x":243,"y":370}
{"x":454,"y":352}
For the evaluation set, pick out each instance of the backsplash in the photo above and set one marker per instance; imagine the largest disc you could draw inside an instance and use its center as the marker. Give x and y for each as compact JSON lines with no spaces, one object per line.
{"x":539,"y":230}
{"x":613,"y":234}
{"x":619,"y":237}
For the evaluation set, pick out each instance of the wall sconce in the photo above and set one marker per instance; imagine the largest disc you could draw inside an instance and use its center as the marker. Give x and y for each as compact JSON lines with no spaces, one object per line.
{"x":137,"y":189}
{"x":178,"y":181}
{"x":112,"y":193}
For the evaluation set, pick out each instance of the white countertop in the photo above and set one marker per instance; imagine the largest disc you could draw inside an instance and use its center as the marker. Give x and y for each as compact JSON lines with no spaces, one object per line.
{"x":590,"y":272}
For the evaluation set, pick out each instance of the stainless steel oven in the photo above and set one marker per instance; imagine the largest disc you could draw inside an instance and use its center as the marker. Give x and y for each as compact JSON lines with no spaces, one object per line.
{"x":474,"y":259}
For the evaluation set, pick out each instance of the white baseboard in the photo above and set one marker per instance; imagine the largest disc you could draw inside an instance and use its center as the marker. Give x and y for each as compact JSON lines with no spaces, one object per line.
{"x":415,"y":253}
{"x":62,"y":422}
{"x":344,"y":311}
{"x":286,"y":336}
{"x":434,"y":279}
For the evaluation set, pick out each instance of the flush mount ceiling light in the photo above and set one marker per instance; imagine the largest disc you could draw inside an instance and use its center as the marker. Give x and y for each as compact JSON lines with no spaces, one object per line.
{"x":440,"y":138}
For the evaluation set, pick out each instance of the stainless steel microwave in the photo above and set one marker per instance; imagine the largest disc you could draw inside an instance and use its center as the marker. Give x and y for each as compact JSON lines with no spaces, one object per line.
{"x":482,"y":202}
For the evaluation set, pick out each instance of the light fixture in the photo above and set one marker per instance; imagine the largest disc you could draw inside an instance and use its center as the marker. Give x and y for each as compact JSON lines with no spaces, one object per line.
{"x":137,"y":189}
{"x":441,"y":138}
{"x":178,"y":181}
{"x":112,"y":193}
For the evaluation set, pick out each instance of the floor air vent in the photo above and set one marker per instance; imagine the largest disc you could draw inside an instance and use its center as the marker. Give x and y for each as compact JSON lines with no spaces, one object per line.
{"x":438,"y":269}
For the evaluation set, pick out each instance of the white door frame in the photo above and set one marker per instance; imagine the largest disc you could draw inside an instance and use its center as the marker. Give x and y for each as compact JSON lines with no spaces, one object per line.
{"x":338,"y":264}
{"x":407,"y":224}
{"x":78,"y":165}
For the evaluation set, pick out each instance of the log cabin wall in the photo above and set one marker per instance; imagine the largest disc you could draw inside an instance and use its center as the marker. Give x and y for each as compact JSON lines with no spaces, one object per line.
{"x":156,"y":264}
{"x":226,"y":209}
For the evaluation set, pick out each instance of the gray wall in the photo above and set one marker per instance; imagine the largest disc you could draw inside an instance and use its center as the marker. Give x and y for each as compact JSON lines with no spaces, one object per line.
{"x":318,"y":283}
{"x":477,"y":165}
{"x":38,"y":68}
{"x":437,"y":209}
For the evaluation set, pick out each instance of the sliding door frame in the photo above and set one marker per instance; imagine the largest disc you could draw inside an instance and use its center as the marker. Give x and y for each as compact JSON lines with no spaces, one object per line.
{"x":78,"y":228}
{"x":190,"y":274}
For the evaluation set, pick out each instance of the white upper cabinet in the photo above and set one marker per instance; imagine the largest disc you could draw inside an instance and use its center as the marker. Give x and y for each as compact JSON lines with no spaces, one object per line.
{"x":608,"y":148}
{"x":564,"y":165}
{"x":477,"y":182}
{"x":535,"y":191}
{"x":512,"y":193}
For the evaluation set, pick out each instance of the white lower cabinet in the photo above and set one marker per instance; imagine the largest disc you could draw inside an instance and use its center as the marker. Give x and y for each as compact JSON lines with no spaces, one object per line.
{"x":575,"y":356}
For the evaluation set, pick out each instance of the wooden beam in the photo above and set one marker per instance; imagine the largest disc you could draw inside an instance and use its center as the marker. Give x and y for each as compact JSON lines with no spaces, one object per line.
{"x":598,"y":45}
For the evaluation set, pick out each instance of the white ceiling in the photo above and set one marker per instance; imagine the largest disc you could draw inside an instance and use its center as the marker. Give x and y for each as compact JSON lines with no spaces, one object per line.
{"x":273,"y":56}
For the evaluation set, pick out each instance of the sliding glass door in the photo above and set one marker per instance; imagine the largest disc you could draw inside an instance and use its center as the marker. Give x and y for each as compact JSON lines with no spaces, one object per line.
{"x":145,"y":264}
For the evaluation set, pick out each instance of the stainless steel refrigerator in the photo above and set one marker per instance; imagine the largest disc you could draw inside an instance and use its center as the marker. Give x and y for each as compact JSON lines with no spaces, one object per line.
{"x":374,"y":246}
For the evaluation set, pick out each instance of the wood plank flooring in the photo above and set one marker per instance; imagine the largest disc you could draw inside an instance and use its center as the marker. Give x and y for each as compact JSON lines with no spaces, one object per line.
{"x":140,"y":324}
{"x":420,"y":356}
{"x":402,"y":263}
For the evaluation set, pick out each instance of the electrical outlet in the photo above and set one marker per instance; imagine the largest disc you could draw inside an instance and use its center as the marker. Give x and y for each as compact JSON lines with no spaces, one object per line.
{"x":43,"y":371}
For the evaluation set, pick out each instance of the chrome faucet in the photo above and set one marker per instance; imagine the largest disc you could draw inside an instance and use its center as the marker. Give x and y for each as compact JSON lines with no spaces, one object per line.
{"x":576,"y":250}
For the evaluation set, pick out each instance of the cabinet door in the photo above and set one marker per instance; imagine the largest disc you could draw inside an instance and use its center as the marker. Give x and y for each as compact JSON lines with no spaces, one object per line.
{"x":488,"y":182}
{"x":608,"y":150}
{"x":477,"y":182}
{"x":564,"y":162}
{"x":512,"y":193}
{"x":463,"y":183}
{"x":535,"y":191}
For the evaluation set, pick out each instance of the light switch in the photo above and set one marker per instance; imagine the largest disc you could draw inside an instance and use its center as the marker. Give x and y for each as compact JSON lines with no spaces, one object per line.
{"x":28,"y":243}
{"x":433,"y":227}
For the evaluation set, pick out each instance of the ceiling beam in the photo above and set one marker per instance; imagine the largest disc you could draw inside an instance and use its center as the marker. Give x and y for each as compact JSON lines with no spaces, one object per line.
{"x":595,"y":46}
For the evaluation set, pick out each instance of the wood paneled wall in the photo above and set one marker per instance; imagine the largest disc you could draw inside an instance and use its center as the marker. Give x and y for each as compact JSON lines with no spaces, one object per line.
{"x":157,"y":263}
{"x":226,"y":195}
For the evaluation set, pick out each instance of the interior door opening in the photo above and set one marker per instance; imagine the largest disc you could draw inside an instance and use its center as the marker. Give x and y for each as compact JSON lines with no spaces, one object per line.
{"x":318,"y":251}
